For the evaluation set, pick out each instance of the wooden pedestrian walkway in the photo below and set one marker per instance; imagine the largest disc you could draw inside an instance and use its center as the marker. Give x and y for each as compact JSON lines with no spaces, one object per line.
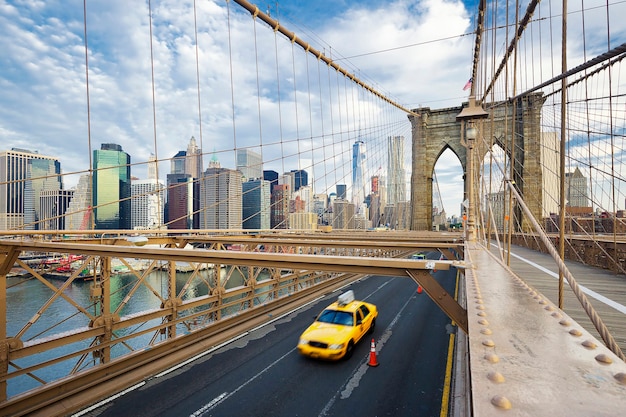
{"x":605,"y":290}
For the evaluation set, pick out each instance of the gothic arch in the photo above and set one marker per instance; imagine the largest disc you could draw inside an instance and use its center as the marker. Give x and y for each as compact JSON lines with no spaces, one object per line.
{"x":434,"y":131}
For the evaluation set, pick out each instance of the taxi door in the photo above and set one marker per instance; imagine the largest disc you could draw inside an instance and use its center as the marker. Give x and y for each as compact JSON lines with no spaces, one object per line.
{"x":362,"y":325}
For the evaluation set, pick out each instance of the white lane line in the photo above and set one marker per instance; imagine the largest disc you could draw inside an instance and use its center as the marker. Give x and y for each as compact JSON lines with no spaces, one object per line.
{"x":108,"y":400}
{"x":216,"y":401}
{"x":354,"y":380}
{"x":617,"y":306}
{"x":209,"y":405}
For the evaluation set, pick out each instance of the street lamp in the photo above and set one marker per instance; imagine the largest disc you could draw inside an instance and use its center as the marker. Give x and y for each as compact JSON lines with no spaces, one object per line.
{"x":469,"y":134}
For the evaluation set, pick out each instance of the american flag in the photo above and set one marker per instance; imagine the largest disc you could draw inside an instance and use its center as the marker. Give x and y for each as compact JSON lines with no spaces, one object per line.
{"x":468,"y":84}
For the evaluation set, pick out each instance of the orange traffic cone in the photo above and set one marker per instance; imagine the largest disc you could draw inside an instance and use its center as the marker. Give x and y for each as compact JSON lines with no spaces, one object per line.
{"x":419,"y":289}
{"x":373,"y":361}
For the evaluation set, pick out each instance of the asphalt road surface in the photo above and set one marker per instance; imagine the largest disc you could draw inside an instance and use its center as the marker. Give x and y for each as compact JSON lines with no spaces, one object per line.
{"x":262,"y":374}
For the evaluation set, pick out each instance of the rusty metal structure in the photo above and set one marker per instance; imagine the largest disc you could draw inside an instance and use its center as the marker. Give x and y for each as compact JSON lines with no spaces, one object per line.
{"x":267,"y":273}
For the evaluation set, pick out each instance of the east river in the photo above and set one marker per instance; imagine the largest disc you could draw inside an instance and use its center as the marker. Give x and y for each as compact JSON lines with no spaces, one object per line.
{"x":26,"y":308}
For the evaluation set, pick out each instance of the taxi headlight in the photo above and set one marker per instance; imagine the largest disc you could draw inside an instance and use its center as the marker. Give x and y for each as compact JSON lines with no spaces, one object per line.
{"x":303,"y":342}
{"x":335,"y":346}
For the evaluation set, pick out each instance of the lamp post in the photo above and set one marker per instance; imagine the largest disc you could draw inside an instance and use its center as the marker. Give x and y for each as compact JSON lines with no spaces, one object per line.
{"x":469,"y":134}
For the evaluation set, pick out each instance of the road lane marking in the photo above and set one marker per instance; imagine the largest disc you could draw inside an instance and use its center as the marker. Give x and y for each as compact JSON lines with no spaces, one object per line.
{"x":353,"y":381}
{"x":218,"y":400}
{"x":209,"y":405}
{"x":108,"y":400}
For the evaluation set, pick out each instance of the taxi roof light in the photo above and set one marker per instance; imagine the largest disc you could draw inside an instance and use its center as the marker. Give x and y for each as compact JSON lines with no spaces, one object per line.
{"x":345,"y":298}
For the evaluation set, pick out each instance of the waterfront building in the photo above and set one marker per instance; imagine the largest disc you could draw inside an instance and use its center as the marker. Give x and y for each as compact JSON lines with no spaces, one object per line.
{"x":24,"y":175}
{"x":256,"y":204}
{"x":111,"y":187}
{"x":53,"y":205}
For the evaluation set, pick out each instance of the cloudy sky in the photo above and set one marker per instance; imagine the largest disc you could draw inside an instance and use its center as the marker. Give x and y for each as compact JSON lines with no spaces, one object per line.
{"x":418,"y":52}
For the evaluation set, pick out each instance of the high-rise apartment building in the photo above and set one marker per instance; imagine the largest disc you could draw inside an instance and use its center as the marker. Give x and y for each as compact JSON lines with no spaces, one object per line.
{"x":23,"y":176}
{"x":111,"y":187}
{"x":256,"y":204}
{"x":221,"y":199}
{"x":250,"y":164}
{"x":147,"y":203}
{"x":396,"y":187}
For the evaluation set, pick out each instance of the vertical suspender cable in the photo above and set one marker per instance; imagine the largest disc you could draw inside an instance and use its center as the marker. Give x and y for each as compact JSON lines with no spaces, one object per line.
{"x":562,"y":147}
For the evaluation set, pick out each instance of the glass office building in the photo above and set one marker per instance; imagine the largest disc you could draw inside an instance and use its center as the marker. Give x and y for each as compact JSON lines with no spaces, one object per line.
{"x":111,"y":187}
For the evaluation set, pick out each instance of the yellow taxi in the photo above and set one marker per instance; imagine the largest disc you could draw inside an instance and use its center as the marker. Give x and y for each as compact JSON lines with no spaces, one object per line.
{"x":338,"y":328}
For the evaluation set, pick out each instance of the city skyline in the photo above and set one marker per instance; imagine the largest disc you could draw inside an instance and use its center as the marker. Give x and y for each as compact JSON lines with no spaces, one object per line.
{"x":119,"y":64}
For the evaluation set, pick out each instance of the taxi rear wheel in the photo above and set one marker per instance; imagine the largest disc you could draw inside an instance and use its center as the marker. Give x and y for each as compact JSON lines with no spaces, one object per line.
{"x":372,"y":326}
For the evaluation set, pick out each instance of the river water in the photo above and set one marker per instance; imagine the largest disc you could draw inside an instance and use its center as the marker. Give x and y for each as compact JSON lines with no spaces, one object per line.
{"x":26,"y":298}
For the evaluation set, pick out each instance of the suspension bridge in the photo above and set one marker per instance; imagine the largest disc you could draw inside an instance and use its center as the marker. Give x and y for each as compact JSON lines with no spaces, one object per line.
{"x":302,"y":177}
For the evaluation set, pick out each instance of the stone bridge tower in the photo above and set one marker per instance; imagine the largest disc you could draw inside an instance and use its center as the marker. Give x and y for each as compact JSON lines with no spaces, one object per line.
{"x":434,"y":131}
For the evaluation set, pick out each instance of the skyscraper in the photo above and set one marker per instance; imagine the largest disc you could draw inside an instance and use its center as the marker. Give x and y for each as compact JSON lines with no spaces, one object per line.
{"x":152,"y":168}
{"x":53,"y":205}
{"x":193,"y":162}
{"x":182,"y":202}
{"x":179,"y":163}
{"x":250,"y":164}
{"x":23,"y":176}
{"x":576,"y":189}
{"x":147,"y":203}
{"x":279,"y":218}
{"x":396,"y":188}
{"x":358,"y":166}
{"x":111,"y":187}
{"x":79,"y":214}
{"x":220,"y":199}
{"x":256,"y":204}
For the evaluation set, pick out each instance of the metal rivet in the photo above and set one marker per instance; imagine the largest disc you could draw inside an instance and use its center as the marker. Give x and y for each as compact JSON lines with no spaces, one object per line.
{"x":496,"y":377}
{"x":603,"y":358}
{"x":482,"y":314}
{"x":492,"y":357}
{"x":589,"y":344}
{"x":484,"y":322}
{"x":501,"y":402}
{"x":556,"y":315}
{"x":621,"y":377}
{"x":488,"y":343}
{"x":542,"y":301}
{"x":549,"y":308}
{"x":480,"y":307}
{"x":486,"y":331}
{"x":564,"y":322}
{"x":575,"y":332}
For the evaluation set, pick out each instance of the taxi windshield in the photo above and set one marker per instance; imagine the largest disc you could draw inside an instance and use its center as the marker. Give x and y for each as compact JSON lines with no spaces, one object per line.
{"x":336,"y":317}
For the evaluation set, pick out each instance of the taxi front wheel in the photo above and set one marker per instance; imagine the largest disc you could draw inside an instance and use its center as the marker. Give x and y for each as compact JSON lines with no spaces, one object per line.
{"x":349,"y":350}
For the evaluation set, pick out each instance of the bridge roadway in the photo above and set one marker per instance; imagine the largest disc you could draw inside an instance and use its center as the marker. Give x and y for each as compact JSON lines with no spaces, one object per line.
{"x":261,"y":373}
